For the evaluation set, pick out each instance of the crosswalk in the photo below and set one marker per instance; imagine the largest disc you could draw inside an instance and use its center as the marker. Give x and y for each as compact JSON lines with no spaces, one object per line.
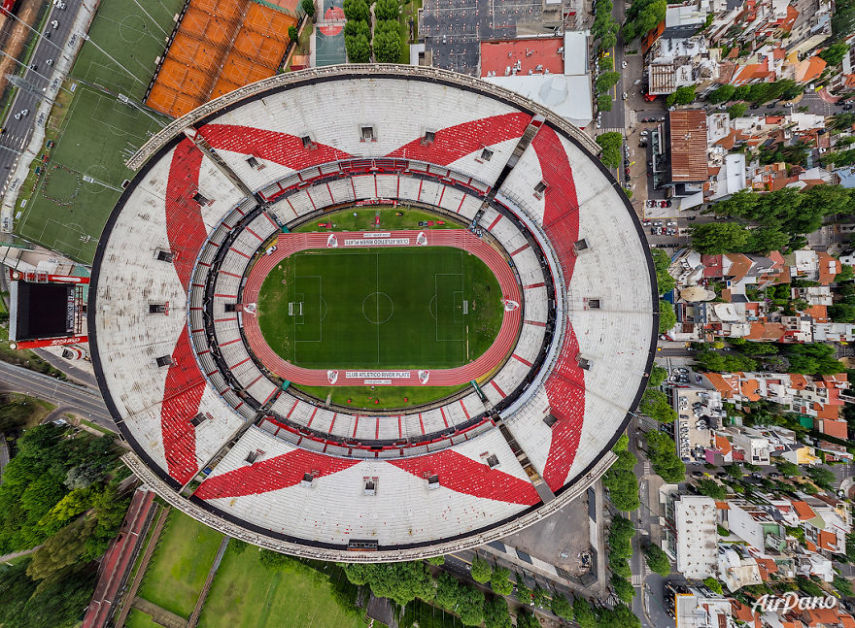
{"x":611,"y":130}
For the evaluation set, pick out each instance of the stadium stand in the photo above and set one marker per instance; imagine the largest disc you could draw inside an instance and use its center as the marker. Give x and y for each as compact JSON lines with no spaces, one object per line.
{"x":208,"y":406}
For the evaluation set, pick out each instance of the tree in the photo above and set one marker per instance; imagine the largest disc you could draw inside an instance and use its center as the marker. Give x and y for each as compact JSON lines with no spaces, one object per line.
{"x":562,"y":607}
{"x":808,"y":586}
{"x":527,"y":619}
{"x":606,"y":81}
{"x":667,"y":317}
{"x":356,"y":10}
{"x":61,"y":550}
{"x":641,"y":17}
{"x":822,"y":477}
{"x":718,"y":237}
{"x":662,"y":453}
{"x":308,"y":7}
{"x":737,"y":110}
{"x":500,"y":582}
{"x":604,"y":102}
{"x":386,"y":10}
{"x":623,"y":589}
{"x":657,"y":560}
{"x":662,"y":263}
{"x":713,"y":585}
{"x":496,"y":613}
{"x":722,"y":93}
{"x":846,"y":274}
{"x":788,"y":469}
{"x":843,"y":586}
{"x":436,"y":560}
{"x":813,"y":359}
{"x":842,"y":313}
{"x":765,"y":239}
{"x":611,"y":143}
{"x":684,"y":95}
{"x":275,"y":561}
{"x":293,"y":35}
{"x":724,"y":362}
{"x":658,"y":375}
{"x":448,"y":591}
{"x":387,"y":41}
{"x":655,"y":404}
{"x":621,"y":615}
{"x":358,"y":49}
{"x":623,"y":489}
{"x":523,"y":591}
{"x":583,"y":613}
{"x":400,"y":582}
{"x":480,"y":569}
{"x":711,"y":488}
{"x":470,"y":606}
{"x":834,"y":54}
{"x":734,"y":471}
{"x":540,"y":597}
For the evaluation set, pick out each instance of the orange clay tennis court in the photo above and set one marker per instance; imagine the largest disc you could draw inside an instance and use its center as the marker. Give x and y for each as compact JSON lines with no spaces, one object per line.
{"x":220,"y":46}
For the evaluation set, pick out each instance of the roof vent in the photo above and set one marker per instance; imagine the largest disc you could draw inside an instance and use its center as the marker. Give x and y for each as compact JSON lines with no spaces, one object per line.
{"x":366,"y":134}
{"x":164,"y":360}
{"x":433,"y":481}
{"x":492,"y":461}
{"x":429,"y":137}
{"x":164,"y":256}
{"x":486,"y":154}
{"x":593,"y":304}
{"x":550,"y":420}
{"x":584,"y":364}
{"x":158,"y":308}
{"x":201,"y":199}
{"x":539,"y":189}
{"x":307,"y":480}
{"x":196,"y":420}
{"x":580,"y":245}
{"x":253,"y":456}
{"x":255,"y":164}
{"x":308,"y":144}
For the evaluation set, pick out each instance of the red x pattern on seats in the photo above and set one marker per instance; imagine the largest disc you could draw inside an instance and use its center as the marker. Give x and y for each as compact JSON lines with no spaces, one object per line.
{"x":187,"y":233}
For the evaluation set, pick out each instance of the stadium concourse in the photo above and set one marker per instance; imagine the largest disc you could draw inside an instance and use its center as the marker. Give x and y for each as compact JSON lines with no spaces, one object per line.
{"x":216,"y":427}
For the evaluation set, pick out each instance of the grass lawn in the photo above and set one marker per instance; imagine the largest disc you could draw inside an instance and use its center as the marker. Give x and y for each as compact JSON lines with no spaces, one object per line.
{"x":123,"y":30}
{"x":177,"y":571}
{"x":245,"y":594}
{"x":381,"y":398}
{"x":424,"y":307}
{"x":391,"y":218}
{"x":96,"y":135}
{"x":138,"y":619}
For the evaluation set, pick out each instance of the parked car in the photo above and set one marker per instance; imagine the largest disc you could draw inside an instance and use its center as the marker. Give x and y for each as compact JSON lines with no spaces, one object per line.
{"x":623,"y":63}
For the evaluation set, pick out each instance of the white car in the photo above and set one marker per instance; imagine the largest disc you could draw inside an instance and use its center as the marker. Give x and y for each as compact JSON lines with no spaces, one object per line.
{"x":49,"y":62}
{"x":25,"y":112}
{"x":270,"y":250}
{"x":623,"y":65}
{"x":54,"y":24}
{"x":18,"y":116}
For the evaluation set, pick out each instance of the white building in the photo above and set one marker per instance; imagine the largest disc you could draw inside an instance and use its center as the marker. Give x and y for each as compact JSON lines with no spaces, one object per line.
{"x":697,"y":553}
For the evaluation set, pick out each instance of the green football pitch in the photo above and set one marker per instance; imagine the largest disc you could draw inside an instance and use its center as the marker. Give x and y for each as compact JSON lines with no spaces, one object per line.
{"x":432,"y":307}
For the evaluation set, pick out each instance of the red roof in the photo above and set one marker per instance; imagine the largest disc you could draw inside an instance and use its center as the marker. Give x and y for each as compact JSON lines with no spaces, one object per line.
{"x":831,"y":426}
{"x":535,"y":55}
{"x":803,"y":511}
{"x":827,"y":540}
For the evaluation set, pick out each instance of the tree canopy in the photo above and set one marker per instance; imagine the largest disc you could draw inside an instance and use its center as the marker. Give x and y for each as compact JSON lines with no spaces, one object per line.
{"x":662,"y":452}
{"x":611,"y":143}
{"x":657,"y":559}
{"x":655,"y":404}
{"x":662,"y":262}
{"x":684,"y":95}
{"x":667,"y":317}
{"x":400,"y":582}
{"x":813,"y":359}
{"x":642,"y":16}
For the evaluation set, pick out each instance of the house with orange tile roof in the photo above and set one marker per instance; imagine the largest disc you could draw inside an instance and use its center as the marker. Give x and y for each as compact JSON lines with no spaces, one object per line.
{"x":814,"y":265}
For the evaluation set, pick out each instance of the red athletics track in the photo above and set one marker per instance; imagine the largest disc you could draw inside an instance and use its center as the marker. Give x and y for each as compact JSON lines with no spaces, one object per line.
{"x":290,"y":243}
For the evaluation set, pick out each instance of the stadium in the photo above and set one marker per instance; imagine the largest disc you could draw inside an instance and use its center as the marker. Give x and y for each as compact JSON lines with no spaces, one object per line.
{"x":371,"y":313}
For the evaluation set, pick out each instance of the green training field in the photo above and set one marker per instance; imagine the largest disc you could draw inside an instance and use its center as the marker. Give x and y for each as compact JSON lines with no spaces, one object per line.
{"x":246,"y":594}
{"x":431,"y":307}
{"x":65,"y":211}
{"x":134,"y":34}
{"x":180,"y":565}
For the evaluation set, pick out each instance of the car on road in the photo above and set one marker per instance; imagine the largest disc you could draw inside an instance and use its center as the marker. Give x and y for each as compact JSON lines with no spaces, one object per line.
{"x":623,"y":63}
{"x":847,"y":106}
{"x":624,"y":96}
{"x":49,"y":62}
{"x":54,"y":24}
{"x":18,"y":116}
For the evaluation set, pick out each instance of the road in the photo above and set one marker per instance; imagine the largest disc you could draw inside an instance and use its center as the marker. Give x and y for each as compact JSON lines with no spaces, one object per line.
{"x":17,"y":132}
{"x":81,"y":401}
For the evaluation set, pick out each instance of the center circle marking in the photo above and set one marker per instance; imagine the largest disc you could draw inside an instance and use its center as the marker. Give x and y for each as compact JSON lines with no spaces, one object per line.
{"x":377,"y":308}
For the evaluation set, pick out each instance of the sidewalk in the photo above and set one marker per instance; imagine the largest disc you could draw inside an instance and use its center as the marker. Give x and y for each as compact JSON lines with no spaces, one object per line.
{"x":82,"y":22}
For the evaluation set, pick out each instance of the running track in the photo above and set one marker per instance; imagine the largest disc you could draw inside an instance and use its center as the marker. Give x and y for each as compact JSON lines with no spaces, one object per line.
{"x":290,"y":243}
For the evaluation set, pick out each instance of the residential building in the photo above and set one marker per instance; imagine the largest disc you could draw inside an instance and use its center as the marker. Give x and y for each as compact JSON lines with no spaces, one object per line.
{"x":696,"y":536}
